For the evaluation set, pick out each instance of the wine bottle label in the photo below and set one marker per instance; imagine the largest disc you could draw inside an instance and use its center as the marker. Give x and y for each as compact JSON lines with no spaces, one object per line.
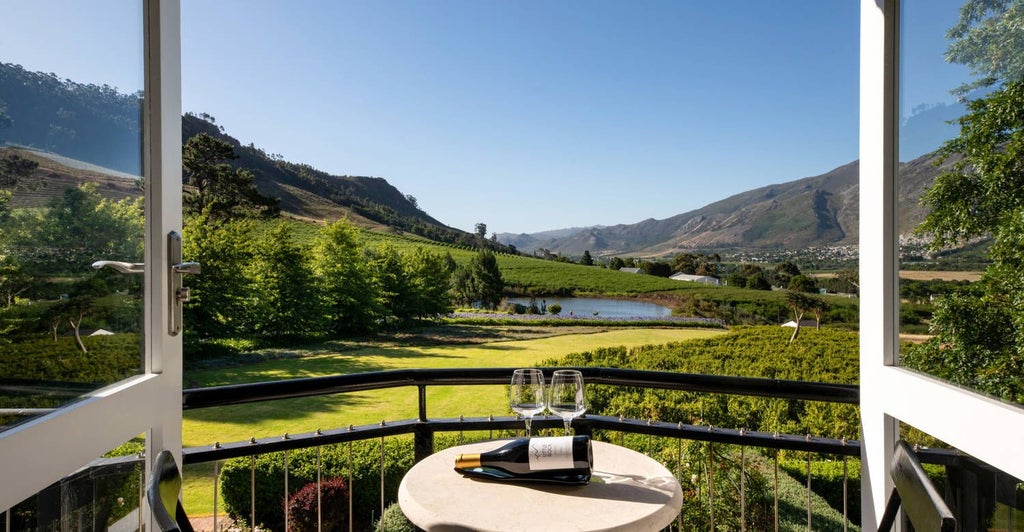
{"x":551,"y":453}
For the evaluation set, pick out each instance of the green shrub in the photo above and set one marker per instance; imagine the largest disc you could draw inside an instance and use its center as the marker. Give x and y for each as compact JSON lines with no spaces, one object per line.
{"x":393,"y":520}
{"x":313,"y":507}
{"x":827,"y":481}
{"x":269,"y":473}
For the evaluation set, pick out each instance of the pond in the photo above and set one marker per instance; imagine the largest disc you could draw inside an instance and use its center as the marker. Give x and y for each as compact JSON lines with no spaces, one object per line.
{"x":601,"y":307}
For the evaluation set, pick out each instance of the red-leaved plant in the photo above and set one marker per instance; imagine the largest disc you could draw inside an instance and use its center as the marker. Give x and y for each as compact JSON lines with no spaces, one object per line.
{"x":302,"y":506}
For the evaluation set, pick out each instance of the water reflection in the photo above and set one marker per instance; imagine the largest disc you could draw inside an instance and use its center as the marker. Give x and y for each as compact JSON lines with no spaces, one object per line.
{"x":592,"y":306}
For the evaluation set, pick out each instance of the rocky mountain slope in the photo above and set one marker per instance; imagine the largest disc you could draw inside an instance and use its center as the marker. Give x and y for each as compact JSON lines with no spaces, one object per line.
{"x":816,"y":211}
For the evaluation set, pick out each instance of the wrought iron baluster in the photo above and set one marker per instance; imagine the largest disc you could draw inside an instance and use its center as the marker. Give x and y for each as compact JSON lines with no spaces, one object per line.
{"x":846,"y":517}
{"x":142,"y":486}
{"x":743,"y":487}
{"x":216,"y":483}
{"x":319,"y":498}
{"x":679,"y":475}
{"x":776,"y":459}
{"x":252,"y":489}
{"x":286,"y":487}
{"x":711,"y":483}
{"x":382,"y":472}
{"x":808,"y":490}
{"x":351,"y":487}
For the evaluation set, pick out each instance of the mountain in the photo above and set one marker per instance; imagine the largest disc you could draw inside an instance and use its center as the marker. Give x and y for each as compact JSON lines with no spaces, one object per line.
{"x":814,"y":211}
{"x":534,"y":241}
{"x":81,"y":132}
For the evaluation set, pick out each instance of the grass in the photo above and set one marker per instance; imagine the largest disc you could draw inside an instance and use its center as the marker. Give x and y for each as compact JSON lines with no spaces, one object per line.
{"x":274,"y":418}
{"x":941,"y":275}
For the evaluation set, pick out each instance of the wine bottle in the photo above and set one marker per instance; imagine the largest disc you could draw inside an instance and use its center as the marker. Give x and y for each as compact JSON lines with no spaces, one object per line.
{"x":561,"y":459}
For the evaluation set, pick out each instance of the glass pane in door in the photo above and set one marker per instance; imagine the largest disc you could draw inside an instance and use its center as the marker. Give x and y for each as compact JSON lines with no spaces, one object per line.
{"x":71,"y":159}
{"x":960,"y":190}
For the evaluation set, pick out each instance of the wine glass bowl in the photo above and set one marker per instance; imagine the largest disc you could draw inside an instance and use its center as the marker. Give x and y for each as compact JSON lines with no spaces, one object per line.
{"x":567,"y":398}
{"x":526,"y":394}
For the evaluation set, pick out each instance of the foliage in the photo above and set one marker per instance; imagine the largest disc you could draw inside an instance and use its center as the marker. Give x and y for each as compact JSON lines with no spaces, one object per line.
{"x":365,"y":469}
{"x":343,"y":280}
{"x":987,"y":38}
{"x":697,"y":264}
{"x":314,"y":507}
{"x":218,"y":300}
{"x":282,"y":297}
{"x":555,"y":309}
{"x":212,"y":187}
{"x":982,"y":194}
{"x":479,"y":282}
{"x":822,"y":356}
{"x":829,"y":479}
{"x":393,"y":520}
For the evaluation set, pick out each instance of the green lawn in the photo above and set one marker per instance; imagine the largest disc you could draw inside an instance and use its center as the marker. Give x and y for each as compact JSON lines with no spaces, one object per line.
{"x":273,"y":418}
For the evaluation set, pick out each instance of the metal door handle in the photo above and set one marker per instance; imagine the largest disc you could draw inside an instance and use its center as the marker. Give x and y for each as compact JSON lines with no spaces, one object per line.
{"x":123,"y":267}
{"x":179,"y":293}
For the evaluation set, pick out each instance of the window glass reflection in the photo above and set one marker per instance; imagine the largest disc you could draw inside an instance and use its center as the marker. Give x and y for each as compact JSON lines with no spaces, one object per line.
{"x":960,"y":191}
{"x":70,"y":194}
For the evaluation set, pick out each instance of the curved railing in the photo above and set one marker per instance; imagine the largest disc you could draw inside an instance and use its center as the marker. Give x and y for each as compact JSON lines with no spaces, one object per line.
{"x":424,"y":426}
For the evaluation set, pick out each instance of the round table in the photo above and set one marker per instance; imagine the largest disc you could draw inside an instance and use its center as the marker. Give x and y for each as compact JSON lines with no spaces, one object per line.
{"x":627,"y":491}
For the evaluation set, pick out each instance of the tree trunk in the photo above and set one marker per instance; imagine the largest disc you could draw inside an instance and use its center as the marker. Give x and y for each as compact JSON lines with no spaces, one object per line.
{"x":796,"y":330}
{"x":78,"y":336}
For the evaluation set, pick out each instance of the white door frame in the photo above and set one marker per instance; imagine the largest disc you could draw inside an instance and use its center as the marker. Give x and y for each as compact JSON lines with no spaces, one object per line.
{"x":989,"y":430}
{"x":45,"y":450}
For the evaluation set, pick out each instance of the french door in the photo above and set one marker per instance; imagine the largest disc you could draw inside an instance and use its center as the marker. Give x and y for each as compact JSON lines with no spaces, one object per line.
{"x":90,"y":184}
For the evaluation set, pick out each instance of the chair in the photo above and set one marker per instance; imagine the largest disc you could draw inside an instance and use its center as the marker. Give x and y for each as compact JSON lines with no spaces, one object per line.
{"x":921,"y":503}
{"x":162,"y":494}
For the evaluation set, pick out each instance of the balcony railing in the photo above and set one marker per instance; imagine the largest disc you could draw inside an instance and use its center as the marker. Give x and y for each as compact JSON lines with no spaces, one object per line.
{"x":424,"y":428}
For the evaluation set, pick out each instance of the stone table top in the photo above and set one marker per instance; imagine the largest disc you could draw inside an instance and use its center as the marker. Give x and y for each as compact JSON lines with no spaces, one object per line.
{"x":627,"y":491}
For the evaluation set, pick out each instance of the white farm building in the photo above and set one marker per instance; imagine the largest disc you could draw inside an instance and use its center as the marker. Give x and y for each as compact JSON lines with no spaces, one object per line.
{"x":706,"y":279}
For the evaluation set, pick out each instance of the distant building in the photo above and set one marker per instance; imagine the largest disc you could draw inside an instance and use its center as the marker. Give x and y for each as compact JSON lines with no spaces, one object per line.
{"x":803,"y":323}
{"x":631,"y":270}
{"x":706,"y":279}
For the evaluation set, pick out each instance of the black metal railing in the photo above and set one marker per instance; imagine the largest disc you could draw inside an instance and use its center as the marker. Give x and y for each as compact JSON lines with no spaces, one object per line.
{"x":424,"y":427}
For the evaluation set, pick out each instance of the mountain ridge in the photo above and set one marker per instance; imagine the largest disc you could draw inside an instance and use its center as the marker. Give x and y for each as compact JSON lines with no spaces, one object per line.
{"x":816,"y":211}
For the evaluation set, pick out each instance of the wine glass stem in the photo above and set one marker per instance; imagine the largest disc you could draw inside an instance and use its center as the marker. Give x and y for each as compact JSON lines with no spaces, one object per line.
{"x":567,"y":422}
{"x":528,"y":420}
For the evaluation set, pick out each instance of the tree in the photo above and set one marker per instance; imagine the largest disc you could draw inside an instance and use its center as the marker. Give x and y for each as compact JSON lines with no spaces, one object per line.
{"x":802,"y":283}
{"x":799,"y":303}
{"x":282,"y":296}
{"x":785,"y":272}
{"x":488,"y":281}
{"x":210,"y":183}
{"x":79,"y":301}
{"x":219,"y":303}
{"x":15,"y":170}
{"x":480,"y":229}
{"x":587,"y":260}
{"x":352,"y":302}
{"x":987,"y":38}
{"x":479,"y":282}
{"x":979,"y":331}
{"x":657,"y":268}
{"x":429,"y":276}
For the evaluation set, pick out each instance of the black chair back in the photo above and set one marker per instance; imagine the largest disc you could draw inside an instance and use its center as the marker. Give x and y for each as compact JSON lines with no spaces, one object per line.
{"x":914,"y":492}
{"x":162,"y":494}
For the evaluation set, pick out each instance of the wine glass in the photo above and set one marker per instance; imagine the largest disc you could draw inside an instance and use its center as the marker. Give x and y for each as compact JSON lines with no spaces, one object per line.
{"x":526,"y":394}
{"x":567,"y":398}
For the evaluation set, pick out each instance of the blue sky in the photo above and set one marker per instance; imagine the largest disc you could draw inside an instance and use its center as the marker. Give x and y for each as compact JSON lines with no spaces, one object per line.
{"x":523,"y":115}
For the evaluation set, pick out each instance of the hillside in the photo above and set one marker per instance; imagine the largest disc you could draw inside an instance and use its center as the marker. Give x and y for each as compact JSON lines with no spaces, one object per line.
{"x":816,"y":211}
{"x":88,"y":132}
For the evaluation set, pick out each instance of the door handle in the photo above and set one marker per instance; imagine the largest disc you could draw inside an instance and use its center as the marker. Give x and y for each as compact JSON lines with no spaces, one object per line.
{"x":179,"y":293}
{"x":122,"y":267}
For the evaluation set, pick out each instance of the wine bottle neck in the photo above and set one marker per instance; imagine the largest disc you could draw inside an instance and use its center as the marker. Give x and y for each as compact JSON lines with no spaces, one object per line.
{"x":467,"y":461}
